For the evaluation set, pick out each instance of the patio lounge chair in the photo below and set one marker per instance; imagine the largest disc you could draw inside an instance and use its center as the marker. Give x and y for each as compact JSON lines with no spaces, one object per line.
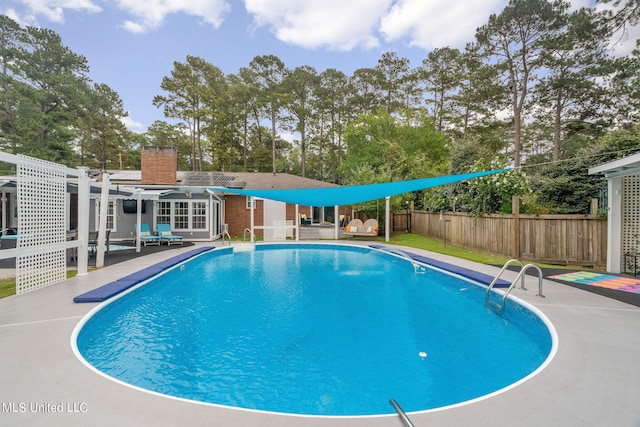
{"x":357,"y":228}
{"x":304,"y":220}
{"x":164,"y":231}
{"x":93,"y":242}
{"x":72,"y":253}
{"x":146,"y":236}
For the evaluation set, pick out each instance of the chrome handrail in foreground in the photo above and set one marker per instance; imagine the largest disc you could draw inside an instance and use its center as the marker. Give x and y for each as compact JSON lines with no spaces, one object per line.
{"x":403,"y":416}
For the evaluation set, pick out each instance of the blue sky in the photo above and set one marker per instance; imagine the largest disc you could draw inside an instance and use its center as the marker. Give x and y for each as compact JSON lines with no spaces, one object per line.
{"x":132,"y":44}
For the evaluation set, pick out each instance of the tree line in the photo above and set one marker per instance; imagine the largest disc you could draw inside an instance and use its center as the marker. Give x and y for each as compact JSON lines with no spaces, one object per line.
{"x":539,"y":85}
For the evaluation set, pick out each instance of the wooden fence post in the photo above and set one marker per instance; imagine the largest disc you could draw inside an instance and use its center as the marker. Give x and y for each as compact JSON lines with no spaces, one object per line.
{"x":594,"y":247}
{"x":515,"y":210}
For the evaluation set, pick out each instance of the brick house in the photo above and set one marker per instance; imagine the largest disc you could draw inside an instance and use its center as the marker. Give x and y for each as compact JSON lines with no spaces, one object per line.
{"x":182,"y":200}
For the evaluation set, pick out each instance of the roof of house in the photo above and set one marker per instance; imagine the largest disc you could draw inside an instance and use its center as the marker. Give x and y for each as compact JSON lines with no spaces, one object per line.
{"x":244,"y":180}
{"x":265,"y":181}
{"x":629,"y":165}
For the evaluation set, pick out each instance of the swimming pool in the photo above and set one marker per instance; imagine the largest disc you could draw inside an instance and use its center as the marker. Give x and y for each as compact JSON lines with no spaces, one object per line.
{"x":328,"y":330}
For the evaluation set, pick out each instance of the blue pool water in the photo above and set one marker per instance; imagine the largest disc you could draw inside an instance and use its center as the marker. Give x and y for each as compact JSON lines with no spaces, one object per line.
{"x":329,"y":330}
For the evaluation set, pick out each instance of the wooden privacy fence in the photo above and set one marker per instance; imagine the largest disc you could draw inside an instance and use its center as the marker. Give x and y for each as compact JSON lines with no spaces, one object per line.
{"x":553,"y":239}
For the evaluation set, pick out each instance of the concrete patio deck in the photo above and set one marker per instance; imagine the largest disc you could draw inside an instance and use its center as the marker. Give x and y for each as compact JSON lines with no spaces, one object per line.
{"x":594,"y":380}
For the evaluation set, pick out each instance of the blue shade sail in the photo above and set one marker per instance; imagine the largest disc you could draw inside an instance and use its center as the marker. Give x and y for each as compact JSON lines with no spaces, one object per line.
{"x":348,"y":195}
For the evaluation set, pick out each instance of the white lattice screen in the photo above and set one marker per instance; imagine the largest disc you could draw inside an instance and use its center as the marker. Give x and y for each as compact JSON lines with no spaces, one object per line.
{"x":631,"y":214}
{"x":42,"y":217}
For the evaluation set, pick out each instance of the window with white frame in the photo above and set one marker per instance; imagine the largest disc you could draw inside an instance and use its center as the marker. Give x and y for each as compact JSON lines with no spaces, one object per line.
{"x":199,"y":215}
{"x":249,"y":202}
{"x":183,"y":214}
{"x":111,"y":216}
{"x":163,"y":212}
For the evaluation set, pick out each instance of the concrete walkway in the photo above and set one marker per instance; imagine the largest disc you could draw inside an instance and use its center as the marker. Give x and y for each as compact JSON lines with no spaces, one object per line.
{"x":594,"y":380}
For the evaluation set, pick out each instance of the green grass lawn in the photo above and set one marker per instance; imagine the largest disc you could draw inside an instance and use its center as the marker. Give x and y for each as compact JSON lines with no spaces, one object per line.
{"x":8,"y":286}
{"x":428,"y":244}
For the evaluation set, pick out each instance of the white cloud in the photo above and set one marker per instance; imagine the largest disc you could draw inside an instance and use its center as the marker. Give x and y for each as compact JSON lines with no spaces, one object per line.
{"x":437,"y":23}
{"x":151,"y":13}
{"x":289,"y":137}
{"x":335,"y":24}
{"x":347,"y":24}
{"x":577,"y":4}
{"x":132,"y":125}
{"x":147,"y":14}
{"x":134,"y":27}
{"x":11,"y":13}
{"x":623,"y":42}
{"x":52,"y":10}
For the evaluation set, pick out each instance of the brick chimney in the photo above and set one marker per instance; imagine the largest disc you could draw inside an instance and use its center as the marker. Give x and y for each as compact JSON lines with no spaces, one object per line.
{"x":159,"y":165}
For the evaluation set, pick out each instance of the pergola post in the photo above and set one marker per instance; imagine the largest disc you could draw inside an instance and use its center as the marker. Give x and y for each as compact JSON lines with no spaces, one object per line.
{"x":138,"y":217}
{"x":102,"y":226}
{"x":4,"y":213}
{"x":83,"y":220}
{"x":253,"y":220}
{"x":297,"y":221}
{"x":614,"y":225}
{"x":387,"y":221}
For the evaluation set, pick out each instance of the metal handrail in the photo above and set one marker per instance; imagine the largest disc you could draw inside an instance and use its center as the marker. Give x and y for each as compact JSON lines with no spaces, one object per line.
{"x":506,"y":264}
{"x":520,"y":277}
{"x":225,"y":231}
{"x":244,"y":235}
{"x":403,"y":416}
{"x":417,"y":267}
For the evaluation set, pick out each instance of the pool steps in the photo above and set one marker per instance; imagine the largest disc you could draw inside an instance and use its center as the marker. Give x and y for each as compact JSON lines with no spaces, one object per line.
{"x":244,"y":247}
{"x":111,"y":289}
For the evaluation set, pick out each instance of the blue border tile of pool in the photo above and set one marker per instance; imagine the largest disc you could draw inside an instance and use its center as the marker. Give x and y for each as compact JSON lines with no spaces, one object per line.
{"x":482,"y":278}
{"x":111,"y":289}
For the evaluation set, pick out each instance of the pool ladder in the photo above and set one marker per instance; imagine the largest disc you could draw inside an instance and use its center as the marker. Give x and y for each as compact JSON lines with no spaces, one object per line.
{"x":225,"y":232}
{"x":245,"y":246}
{"x":417,"y":267}
{"x":520,"y":276}
{"x":244,"y":235}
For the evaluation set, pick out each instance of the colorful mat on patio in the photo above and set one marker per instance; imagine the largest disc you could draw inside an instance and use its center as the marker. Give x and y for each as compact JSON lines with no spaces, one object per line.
{"x":627,"y":284}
